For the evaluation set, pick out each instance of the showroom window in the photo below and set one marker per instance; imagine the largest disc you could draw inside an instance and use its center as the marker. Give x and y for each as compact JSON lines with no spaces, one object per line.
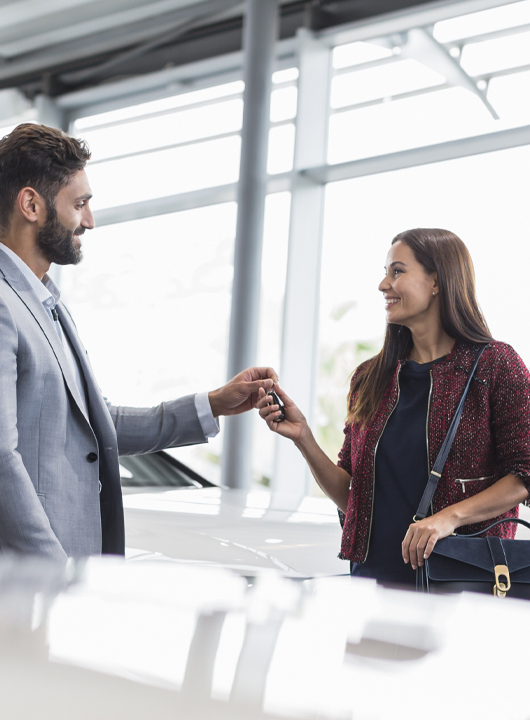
{"x":152,"y":296}
{"x":405,"y":92}
{"x":399,"y":92}
{"x":182,"y":143}
{"x":383,"y":102}
{"x":152,"y":300}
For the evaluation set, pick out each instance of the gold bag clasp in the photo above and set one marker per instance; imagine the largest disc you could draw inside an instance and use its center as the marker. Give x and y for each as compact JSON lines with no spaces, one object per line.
{"x":501,"y":588}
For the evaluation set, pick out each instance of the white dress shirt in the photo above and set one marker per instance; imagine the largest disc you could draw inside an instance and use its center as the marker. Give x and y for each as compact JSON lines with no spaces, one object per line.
{"x":48,"y":294}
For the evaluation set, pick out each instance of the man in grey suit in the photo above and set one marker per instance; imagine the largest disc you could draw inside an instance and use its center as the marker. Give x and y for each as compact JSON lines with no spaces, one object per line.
{"x":60,"y":491}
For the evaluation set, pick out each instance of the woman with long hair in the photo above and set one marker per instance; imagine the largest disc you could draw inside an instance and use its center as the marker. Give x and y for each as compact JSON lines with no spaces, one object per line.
{"x":400,"y":406}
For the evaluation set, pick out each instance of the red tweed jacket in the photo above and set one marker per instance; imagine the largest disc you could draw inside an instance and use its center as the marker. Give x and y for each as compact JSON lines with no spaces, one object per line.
{"x":493,"y":438}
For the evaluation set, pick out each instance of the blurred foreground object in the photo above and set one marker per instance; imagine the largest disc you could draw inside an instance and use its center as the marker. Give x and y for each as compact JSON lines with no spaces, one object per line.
{"x":127,"y":640}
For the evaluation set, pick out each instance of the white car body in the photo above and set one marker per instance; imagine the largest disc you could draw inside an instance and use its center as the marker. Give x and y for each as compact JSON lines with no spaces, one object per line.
{"x":247,"y":531}
{"x":244,"y":530}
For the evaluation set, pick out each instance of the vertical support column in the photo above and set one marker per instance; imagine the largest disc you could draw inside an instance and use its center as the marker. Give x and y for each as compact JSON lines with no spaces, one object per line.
{"x":49,"y":113}
{"x":259,"y":38}
{"x":298,"y":370}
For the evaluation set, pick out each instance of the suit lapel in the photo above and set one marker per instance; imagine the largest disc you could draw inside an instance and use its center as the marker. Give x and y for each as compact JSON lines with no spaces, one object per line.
{"x":21,"y":287}
{"x":71,"y":332}
{"x":98,"y":409}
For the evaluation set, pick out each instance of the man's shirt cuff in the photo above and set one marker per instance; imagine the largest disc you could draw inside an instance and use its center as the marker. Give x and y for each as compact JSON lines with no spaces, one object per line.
{"x":209,"y":424}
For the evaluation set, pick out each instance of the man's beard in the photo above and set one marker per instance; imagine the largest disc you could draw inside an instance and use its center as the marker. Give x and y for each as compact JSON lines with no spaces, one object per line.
{"x":56,"y":241}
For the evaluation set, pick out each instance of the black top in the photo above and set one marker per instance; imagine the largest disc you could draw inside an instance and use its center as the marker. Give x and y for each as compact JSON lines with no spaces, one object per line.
{"x":401,"y":473}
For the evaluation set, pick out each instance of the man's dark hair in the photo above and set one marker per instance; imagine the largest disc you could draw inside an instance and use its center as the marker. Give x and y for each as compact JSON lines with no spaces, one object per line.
{"x":40,"y":157}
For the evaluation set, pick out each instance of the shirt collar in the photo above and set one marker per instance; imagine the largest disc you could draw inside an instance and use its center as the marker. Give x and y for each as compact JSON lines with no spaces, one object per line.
{"x":46,"y":290}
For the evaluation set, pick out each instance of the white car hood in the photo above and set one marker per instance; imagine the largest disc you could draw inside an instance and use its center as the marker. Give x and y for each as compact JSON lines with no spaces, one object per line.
{"x":244,"y":530}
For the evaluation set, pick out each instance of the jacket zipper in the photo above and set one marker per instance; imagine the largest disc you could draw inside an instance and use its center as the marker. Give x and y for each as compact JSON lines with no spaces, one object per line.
{"x":463,"y":481}
{"x":373,"y":469}
{"x":427,"y":432}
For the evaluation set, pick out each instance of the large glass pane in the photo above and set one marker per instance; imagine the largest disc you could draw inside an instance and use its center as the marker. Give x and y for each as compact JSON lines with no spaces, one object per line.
{"x":180,"y":100}
{"x":284,"y":76}
{"x":398,"y":104}
{"x":166,"y":172}
{"x":498,"y":54}
{"x":166,"y":129}
{"x":382,"y":81}
{"x":356,"y":53}
{"x":510,"y":96}
{"x":283,"y":104}
{"x":406,"y":123}
{"x":480,"y":198}
{"x":486,"y":21}
{"x":152,"y":298}
{"x":162,"y":148}
{"x":281,"y":149}
{"x":162,"y":105}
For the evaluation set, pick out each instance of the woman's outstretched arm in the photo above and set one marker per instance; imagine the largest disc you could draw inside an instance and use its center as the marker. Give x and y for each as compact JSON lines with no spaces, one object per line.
{"x":333,"y":480}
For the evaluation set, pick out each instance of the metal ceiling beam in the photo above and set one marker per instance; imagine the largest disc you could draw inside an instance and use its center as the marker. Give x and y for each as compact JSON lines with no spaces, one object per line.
{"x":153,"y":86}
{"x":183,"y":201}
{"x":165,"y":205}
{"x":93,"y":17}
{"x":193,"y":47}
{"x":492,"y":142}
{"x":17,"y":13}
{"x":209,"y":9}
{"x":502,"y":140}
{"x":110,"y":95}
{"x":420,"y":45}
{"x":102,"y":98}
{"x":28,"y":70}
{"x":107,"y":41}
{"x":402,"y":20}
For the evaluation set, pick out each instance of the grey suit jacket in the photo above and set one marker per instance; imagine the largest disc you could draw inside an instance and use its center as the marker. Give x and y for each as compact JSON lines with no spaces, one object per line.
{"x":53,"y":455}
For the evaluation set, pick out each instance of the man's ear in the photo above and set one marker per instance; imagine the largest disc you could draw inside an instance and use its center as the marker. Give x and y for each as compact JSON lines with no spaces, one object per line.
{"x":31,"y":205}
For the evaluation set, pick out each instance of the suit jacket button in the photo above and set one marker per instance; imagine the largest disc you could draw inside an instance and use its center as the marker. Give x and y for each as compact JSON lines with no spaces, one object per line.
{"x":92,"y":457}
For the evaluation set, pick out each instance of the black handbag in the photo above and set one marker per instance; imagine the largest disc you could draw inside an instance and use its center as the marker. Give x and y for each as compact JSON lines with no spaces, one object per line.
{"x":489,"y":564}
{"x":478,"y":564}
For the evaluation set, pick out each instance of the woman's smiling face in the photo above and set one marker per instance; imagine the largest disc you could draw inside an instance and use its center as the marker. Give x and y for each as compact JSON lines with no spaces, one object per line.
{"x":410,"y":292}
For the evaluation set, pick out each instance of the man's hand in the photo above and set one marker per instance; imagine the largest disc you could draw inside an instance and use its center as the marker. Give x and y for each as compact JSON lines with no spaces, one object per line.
{"x":241,"y":393}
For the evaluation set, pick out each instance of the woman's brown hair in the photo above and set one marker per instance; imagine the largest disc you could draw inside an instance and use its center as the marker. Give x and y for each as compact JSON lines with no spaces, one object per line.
{"x":443,"y":253}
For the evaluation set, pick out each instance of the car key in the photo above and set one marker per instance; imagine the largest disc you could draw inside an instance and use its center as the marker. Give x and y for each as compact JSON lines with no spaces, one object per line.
{"x":276,"y":401}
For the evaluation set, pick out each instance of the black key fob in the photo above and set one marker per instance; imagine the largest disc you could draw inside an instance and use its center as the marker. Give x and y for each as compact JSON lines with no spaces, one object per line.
{"x":276,"y":401}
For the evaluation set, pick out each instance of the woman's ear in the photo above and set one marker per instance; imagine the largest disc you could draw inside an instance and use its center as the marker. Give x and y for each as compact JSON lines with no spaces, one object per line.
{"x":31,"y":205}
{"x":435,"y":287}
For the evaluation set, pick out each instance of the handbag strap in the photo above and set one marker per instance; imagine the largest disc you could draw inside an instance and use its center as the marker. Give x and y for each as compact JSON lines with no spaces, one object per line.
{"x":437,"y":468}
{"x":519,"y":521}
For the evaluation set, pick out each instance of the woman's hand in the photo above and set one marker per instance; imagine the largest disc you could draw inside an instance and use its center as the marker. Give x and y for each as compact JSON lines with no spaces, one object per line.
{"x":500,"y":497}
{"x":423,"y":535}
{"x":333,"y":480}
{"x":294,"y":426}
